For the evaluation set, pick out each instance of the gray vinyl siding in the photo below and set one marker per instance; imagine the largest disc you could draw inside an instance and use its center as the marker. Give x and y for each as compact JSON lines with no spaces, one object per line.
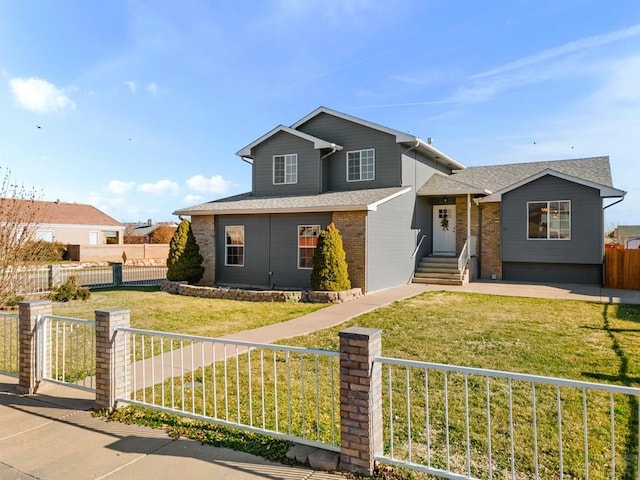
{"x":586,"y":243}
{"x":552,"y":272}
{"x":417,"y":169}
{"x":308,"y":166}
{"x":352,"y":136}
{"x":391,"y":240}
{"x":256,"y":251}
{"x":271,"y":245}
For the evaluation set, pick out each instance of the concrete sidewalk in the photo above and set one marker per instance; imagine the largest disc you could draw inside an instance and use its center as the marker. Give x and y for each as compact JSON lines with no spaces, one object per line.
{"x":52,"y":436}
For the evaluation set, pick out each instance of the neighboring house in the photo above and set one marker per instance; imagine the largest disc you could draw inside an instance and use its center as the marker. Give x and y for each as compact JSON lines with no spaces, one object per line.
{"x":72,"y":223}
{"x":628,"y":235}
{"x":396,"y":199}
{"x":149,"y":232}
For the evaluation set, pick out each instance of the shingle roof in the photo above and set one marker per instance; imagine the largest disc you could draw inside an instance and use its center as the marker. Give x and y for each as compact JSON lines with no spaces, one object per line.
{"x":497,"y":177}
{"x":441,"y":184}
{"x":61,"y":213}
{"x":246,"y":203}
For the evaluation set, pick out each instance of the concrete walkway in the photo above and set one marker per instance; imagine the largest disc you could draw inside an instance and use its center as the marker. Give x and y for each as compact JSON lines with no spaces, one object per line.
{"x":52,"y":435}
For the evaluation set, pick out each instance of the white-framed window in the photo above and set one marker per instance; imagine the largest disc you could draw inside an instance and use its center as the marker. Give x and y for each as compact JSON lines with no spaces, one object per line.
{"x":234,"y":246}
{"x":285,"y":169}
{"x":93,"y":238}
{"x":361,"y":165}
{"x":44,"y":235}
{"x":307,"y":242}
{"x":549,"y":220}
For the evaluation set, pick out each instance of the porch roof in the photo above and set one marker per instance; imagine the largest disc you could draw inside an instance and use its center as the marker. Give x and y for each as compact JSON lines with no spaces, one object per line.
{"x":246,"y":203}
{"x":441,"y":184}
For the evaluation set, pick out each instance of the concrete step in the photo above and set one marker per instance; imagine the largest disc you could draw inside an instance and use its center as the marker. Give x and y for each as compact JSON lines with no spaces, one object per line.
{"x":438,"y":265}
{"x":451,"y":275}
{"x":437,"y":268}
{"x":440,"y":259}
{"x":437,"y":281}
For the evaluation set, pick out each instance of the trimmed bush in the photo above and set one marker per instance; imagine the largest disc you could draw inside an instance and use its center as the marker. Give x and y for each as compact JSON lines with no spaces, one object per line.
{"x":329,"y":262}
{"x":184,"y":262}
{"x":70,"y":290}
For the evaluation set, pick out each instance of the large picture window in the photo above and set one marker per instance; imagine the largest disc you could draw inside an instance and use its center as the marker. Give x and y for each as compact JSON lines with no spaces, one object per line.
{"x":361,"y":165}
{"x":234,"y":246}
{"x":549,"y":220}
{"x":307,"y":241}
{"x":285,"y":169}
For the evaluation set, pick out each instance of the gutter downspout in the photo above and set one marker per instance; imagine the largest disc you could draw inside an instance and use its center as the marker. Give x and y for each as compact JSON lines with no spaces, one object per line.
{"x":334,"y":149}
{"x":468,"y":226}
{"x":415,"y":187}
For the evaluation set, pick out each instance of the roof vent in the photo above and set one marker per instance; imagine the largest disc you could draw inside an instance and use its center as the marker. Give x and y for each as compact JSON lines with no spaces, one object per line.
{"x":430,"y":140}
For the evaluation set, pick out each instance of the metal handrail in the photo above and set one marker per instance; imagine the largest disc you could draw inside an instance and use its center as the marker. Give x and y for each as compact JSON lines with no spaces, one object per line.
{"x":418,"y":246}
{"x":463,"y":255}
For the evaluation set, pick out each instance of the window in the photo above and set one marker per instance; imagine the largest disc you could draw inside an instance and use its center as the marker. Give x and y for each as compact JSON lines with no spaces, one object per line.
{"x":307,"y":241}
{"x":285,"y":169}
{"x":44,"y":235}
{"x":549,"y":220}
{"x":361,"y":165}
{"x":234,"y":246}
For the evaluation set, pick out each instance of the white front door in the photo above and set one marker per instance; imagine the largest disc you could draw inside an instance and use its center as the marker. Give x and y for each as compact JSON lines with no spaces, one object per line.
{"x":444,"y":230}
{"x":93,"y":238}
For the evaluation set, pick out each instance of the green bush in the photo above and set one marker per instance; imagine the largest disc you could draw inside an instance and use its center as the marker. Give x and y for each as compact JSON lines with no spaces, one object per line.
{"x":70,"y":290}
{"x":184,"y":262}
{"x":329,"y":262}
{"x":44,"y":251}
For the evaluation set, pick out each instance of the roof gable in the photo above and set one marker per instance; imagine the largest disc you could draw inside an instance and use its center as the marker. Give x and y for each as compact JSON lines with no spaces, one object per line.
{"x":411,"y":141}
{"x":605,"y":190}
{"x":318,"y":143}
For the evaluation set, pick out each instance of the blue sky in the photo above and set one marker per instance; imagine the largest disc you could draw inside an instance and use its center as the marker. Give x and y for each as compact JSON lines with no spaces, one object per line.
{"x":138,"y":107}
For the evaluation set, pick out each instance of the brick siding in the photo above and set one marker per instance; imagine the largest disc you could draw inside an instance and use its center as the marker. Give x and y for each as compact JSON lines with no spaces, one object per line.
{"x":353,"y":228}
{"x":491,"y":263}
{"x":203,"y":228}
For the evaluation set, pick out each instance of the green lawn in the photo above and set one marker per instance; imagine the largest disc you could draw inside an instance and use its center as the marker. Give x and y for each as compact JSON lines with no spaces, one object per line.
{"x":155,"y":310}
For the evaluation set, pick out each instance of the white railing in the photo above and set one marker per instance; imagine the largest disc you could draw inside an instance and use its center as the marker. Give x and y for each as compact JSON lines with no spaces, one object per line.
{"x":9,"y":343}
{"x":66,"y":351}
{"x":458,"y":422}
{"x":463,"y":258}
{"x":415,"y":252}
{"x":281,"y":391}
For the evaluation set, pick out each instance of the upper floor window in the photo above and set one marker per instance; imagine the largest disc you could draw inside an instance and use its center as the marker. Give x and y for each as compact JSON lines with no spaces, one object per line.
{"x":285,"y":169}
{"x":234,"y":245}
{"x":307,"y":241}
{"x":549,"y":220}
{"x":361,"y":165}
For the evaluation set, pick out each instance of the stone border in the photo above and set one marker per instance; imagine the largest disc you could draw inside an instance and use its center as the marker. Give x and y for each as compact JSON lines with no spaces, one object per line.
{"x":293,"y":296}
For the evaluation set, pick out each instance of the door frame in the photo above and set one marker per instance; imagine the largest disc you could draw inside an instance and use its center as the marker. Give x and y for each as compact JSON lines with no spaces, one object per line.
{"x":444,"y":236}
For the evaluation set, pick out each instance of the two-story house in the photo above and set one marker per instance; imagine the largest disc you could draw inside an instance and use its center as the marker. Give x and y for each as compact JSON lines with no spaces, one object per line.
{"x":395,"y":199}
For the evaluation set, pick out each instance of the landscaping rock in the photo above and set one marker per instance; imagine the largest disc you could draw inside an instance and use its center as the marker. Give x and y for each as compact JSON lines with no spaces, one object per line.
{"x":300,"y":453}
{"x":324,"y":460}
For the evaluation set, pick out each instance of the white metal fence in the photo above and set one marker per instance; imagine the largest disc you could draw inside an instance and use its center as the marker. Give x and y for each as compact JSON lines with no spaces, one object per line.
{"x":457,"y":422}
{"x":9,"y":343}
{"x":285,"y":392}
{"x":66,"y":351}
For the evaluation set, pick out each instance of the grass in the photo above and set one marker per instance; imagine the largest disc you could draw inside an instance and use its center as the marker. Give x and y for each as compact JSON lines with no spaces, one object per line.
{"x":155,"y":310}
{"x":570,"y":339}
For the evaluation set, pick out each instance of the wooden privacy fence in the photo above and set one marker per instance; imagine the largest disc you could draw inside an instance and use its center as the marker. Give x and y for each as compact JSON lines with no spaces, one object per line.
{"x":622,"y":269}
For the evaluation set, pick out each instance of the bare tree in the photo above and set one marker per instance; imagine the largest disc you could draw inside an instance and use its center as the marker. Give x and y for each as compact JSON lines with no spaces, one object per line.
{"x":19,"y":250}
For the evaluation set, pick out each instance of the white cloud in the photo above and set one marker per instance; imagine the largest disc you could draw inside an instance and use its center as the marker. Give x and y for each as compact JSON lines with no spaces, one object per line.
{"x":215,"y":184}
{"x":161,"y":187}
{"x":192,"y":199}
{"x":153,"y":88}
{"x":39,"y":95}
{"x":119,"y":187}
{"x":132,"y":86}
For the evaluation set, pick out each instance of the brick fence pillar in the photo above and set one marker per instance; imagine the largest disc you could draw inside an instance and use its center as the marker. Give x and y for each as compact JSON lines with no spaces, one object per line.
{"x":113,"y":363}
{"x":360,"y":399}
{"x":27,"y":317}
